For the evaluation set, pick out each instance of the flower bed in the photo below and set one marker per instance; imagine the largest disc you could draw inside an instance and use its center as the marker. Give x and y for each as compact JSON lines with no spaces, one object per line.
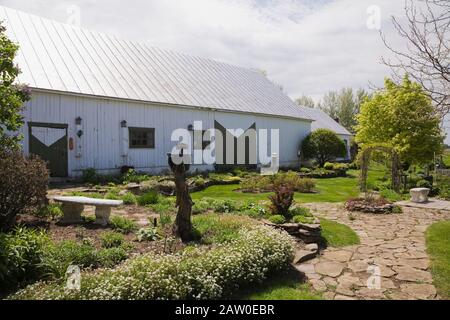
{"x":378,"y":206}
{"x":194,"y":274}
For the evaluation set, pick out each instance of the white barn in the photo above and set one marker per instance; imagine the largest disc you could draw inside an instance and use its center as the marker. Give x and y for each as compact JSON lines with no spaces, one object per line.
{"x":104,"y":103}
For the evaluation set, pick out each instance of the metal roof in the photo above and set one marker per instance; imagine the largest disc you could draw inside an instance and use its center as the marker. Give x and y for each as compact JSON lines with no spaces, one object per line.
{"x":60,"y":57}
{"x":324,"y":121}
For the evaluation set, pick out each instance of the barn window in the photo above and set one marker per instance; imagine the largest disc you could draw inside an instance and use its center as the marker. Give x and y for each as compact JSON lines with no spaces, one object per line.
{"x":142,"y":138}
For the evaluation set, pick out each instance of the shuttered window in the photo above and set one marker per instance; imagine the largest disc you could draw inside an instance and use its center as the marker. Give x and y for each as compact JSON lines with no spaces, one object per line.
{"x":142,"y":138}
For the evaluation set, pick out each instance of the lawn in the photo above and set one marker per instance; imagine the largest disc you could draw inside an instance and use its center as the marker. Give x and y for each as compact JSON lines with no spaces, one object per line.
{"x":438,"y":248}
{"x":338,"y":235}
{"x":328,"y":190}
{"x":284,"y":286}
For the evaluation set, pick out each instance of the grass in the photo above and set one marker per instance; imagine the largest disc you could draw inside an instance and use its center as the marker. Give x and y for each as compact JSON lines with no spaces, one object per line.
{"x":328,"y":190}
{"x":338,"y":235}
{"x":438,"y":248}
{"x":284,"y":286}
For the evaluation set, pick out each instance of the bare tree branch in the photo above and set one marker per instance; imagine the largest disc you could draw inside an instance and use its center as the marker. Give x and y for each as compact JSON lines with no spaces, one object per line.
{"x":426,"y":57}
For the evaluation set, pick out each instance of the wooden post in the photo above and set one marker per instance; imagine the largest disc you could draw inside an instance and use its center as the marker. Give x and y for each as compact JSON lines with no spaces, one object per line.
{"x":183,"y":225}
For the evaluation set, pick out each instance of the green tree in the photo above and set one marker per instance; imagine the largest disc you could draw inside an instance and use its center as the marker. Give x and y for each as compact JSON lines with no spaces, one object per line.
{"x":12,"y":95}
{"x":403,"y":117}
{"x":323,"y":145}
{"x":344,"y":106}
{"x":305,"y":101}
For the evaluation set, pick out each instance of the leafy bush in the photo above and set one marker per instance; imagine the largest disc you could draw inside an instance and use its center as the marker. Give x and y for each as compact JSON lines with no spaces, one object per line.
{"x":52,"y":211}
{"x":256,"y":209}
{"x":57,"y":257}
{"x":23,"y":186}
{"x":328,"y":166}
{"x":302,"y":219}
{"x":213,"y":228}
{"x":323,"y":145}
{"x":111,"y":239}
{"x":150,"y":197}
{"x":165,"y":219}
{"x":131,"y":176}
{"x":123,"y":224}
{"x":147,"y":234}
{"x":89,"y":176}
{"x":20,"y":255}
{"x":391,"y":195}
{"x":199,"y":182}
{"x":129,"y":198}
{"x":301,"y":211}
{"x":397,"y":209}
{"x":202,"y":206}
{"x":224,"y":206}
{"x":269,"y":183}
{"x":305,"y":170}
{"x":424,"y":184}
{"x":110,"y":257}
{"x":277,"y":219}
{"x":196,"y":274}
{"x":282,"y":201}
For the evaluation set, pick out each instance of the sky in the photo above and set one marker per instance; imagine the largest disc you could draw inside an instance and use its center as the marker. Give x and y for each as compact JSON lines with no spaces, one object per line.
{"x":308,"y":47}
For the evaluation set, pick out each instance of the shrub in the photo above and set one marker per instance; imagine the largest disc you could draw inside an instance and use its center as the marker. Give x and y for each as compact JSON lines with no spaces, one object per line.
{"x":256,"y":209}
{"x":213,"y":228}
{"x":89,"y":176}
{"x":199,"y":182}
{"x":147,"y":234}
{"x":269,"y":183}
{"x":20,"y":255}
{"x":131,"y":176}
{"x":52,"y":211}
{"x":397,"y":209}
{"x":23,"y":186}
{"x":424,"y":184}
{"x":57,"y":257}
{"x":277,"y":219}
{"x":282,"y":201}
{"x":165,"y":219}
{"x":328,"y":166}
{"x":305,"y":170}
{"x":110,"y":257}
{"x":302,"y":219}
{"x":202,"y":206}
{"x":150,"y":197}
{"x":196,"y":274}
{"x":301,"y":211}
{"x":123,"y":224}
{"x":129,"y":198}
{"x":323,"y":145}
{"x":390,"y":195}
{"x":111,"y":239}
{"x":224,"y":206}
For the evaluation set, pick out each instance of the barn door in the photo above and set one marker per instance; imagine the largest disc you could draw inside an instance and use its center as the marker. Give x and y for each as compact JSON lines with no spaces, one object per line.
{"x":49,"y":142}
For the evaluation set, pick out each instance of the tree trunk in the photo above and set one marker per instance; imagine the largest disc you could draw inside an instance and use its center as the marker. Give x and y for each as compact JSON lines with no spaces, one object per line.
{"x":183,"y":225}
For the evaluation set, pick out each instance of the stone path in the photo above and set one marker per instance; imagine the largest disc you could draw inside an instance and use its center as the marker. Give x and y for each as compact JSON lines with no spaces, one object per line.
{"x":393,"y":245}
{"x":433,"y":204}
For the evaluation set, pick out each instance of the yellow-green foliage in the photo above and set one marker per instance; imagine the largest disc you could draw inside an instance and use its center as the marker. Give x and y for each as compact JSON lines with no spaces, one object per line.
{"x":403,"y":117}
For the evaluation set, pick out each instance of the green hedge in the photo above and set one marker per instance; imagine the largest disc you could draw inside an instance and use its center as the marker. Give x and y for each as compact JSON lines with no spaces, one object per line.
{"x":194,"y":274}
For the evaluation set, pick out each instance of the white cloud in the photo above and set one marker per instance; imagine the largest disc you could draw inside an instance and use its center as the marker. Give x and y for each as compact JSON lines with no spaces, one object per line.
{"x":306,"y":46}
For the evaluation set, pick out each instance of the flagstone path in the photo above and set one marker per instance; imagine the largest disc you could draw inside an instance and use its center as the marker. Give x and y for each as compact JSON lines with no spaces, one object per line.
{"x":393,"y":245}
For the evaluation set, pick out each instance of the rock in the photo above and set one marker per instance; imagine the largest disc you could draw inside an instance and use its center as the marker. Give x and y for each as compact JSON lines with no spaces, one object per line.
{"x":304,"y":255}
{"x":342,"y":297}
{"x":291,"y":228}
{"x":345,"y":289}
{"x":328,"y":295}
{"x":308,"y":236}
{"x":340,"y":255}
{"x":358,"y":265}
{"x":318,"y":285}
{"x":419,"y":291}
{"x":415,"y":263}
{"x":310,"y":227}
{"x":371,"y":293}
{"x":386,"y":272}
{"x":407,"y":273}
{"x":133,"y":186}
{"x":305,"y":268}
{"x":330,"y":281}
{"x":312,"y":247}
{"x":348,"y":280}
{"x":329,"y":268}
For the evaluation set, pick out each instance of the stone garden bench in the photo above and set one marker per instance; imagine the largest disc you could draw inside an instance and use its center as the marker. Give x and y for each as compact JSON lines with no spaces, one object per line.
{"x":72,"y":208}
{"x":419,"y":195}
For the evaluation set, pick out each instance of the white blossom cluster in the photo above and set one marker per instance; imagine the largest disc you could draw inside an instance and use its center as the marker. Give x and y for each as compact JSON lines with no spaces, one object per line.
{"x":194,"y":274}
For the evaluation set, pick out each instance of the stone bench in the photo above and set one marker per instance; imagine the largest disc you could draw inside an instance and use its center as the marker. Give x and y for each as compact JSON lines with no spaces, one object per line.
{"x":419,"y":195}
{"x":72,"y":208}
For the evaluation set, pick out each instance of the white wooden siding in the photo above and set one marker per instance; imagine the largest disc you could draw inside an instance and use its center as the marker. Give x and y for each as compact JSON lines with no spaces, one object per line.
{"x":102,"y":144}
